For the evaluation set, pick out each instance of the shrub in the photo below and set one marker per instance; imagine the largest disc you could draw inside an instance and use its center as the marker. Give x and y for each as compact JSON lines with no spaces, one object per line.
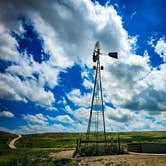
{"x":94,"y":150}
{"x":99,"y":150}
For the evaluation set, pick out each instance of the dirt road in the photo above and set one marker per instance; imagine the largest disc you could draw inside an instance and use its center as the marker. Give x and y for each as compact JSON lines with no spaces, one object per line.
{"x":13,"y":141}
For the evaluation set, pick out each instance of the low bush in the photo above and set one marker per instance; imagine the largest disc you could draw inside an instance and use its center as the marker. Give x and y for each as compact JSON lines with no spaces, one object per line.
{"x":99,"y":150}
{"x":92,"y":150}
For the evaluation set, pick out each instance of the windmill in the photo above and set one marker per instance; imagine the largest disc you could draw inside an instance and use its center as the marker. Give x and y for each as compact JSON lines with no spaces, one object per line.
{"x":96,"y":123}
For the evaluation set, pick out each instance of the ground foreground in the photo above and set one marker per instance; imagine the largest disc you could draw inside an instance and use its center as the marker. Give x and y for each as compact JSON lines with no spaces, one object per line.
{"x":124,"y":160}
{"x":115,"y":160}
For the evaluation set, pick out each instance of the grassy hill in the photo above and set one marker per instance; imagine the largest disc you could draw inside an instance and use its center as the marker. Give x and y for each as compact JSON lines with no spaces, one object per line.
{"x":48,"y":140}
{"x":5,"y":138}
{"x":68,"y":140}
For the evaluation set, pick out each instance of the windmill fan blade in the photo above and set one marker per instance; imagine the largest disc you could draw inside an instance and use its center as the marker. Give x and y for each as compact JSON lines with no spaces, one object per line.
{"x":113,"y":55}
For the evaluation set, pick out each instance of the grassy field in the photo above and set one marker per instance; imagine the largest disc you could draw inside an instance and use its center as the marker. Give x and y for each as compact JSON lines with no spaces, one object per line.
{"x":68,"y":140}
{"x":32,"y":157}
{"x":48,"y":140}
{"x":34,"y":149}
{"x":142,"y":137}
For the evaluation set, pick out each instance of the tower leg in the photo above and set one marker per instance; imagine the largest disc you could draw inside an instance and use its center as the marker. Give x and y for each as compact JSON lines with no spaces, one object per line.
{"x":97,"y":107}
{"x":90,"y":116}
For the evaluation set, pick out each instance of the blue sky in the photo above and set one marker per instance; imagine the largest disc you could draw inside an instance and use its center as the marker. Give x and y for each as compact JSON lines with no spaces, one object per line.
{"x":46,"y":75}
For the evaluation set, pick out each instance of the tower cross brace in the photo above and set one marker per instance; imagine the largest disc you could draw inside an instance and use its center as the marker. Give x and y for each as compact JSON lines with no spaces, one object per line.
{"x":96,"y":123}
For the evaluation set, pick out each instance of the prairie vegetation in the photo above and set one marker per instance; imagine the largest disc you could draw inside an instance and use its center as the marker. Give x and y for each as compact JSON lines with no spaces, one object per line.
{"x":35,"y":149}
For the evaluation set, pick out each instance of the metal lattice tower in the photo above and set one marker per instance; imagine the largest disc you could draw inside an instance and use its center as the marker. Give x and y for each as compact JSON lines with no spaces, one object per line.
{"x":96,"y":124}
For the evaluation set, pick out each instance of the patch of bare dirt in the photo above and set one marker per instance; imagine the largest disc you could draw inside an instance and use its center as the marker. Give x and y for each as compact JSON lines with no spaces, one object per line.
{"x":123,"y":160}
{"x":115,"y":160}
{"x":62,"y":154}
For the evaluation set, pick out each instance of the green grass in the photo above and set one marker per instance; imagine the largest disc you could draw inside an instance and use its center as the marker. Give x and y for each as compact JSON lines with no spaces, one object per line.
{"x":68,"y":140}
{"x":48,"y":140}
{"x":33,"y":149}
{"x":145,"y":137}
{"x":141,"y":137}
{"x":32,"y":157}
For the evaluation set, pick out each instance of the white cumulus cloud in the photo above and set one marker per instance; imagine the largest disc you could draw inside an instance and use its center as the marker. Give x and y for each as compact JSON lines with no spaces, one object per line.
{"x":6,"y":114}
{"x":129,"y":83}
{"x":35,"y":119}
{"x":160,"y":48}
{"x":64,"y":119}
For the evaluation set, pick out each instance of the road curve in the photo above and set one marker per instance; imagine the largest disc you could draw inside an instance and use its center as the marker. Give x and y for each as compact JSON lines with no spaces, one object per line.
{"x":13,"y":141}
